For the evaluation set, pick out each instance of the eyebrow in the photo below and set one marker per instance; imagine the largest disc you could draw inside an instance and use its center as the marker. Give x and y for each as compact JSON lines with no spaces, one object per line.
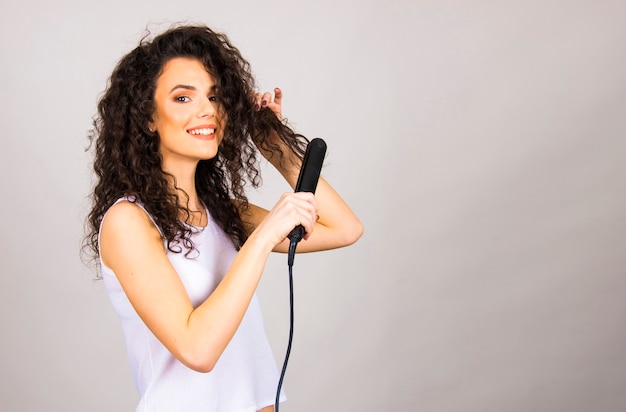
{"x":187,"y":87}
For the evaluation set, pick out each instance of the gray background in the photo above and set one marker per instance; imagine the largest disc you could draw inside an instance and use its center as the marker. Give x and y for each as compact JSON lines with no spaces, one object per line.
{"x":482,"y":143}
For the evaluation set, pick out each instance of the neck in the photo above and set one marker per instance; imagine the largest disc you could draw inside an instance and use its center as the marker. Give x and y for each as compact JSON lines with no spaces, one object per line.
{"x":185,"y":184}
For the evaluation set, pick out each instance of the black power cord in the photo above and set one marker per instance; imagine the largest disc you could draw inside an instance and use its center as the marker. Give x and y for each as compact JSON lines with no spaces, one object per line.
{"x":290,"y":257}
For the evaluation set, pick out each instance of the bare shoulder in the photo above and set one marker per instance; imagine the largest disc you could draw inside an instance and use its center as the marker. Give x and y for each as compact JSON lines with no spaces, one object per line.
{"x":126,"y":219}
{"x":126,"y":211}
{"x":125,"y":226}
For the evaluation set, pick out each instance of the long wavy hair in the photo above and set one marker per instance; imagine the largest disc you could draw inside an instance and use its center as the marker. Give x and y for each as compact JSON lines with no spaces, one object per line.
{"x":127,"y":161}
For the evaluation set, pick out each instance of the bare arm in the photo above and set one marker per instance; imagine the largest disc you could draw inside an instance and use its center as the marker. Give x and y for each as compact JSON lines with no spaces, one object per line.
{"x":131,"y":246}
{"x":337,"y":225}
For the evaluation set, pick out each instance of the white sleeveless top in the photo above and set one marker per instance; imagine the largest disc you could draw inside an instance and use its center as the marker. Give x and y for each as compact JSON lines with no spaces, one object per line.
{"x":244,"y":378}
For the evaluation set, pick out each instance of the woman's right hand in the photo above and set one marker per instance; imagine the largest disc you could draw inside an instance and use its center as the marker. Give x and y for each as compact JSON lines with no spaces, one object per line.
{"x":291,"y":210}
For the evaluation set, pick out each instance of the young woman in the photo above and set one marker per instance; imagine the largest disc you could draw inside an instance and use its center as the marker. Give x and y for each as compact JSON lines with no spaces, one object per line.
{"x":181,"y":250}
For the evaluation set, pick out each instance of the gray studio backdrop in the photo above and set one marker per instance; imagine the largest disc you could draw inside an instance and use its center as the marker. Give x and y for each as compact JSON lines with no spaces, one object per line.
{"x":482,"y":143}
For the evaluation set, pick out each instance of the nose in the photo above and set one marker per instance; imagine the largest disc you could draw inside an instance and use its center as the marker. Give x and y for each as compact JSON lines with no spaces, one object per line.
{"x":207,"y":108}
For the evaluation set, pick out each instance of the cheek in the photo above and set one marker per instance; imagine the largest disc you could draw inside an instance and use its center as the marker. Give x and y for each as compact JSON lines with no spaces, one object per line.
{"x":170,"y":115}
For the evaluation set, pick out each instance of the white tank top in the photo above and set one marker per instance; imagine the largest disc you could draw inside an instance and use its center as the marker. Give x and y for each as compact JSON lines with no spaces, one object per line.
{"x":245,"y":376}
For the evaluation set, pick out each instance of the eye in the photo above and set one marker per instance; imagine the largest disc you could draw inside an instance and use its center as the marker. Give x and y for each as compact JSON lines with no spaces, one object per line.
{"x":182,"y":99}
{"x":213,"y":98}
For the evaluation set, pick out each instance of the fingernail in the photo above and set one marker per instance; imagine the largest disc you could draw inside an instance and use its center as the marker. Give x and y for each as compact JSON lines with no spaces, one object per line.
{"x":264,"y":103}
{"x":256,"y":107}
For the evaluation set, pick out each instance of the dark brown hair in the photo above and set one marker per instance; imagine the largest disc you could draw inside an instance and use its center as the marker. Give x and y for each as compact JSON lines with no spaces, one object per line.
{"x":127,"y":160}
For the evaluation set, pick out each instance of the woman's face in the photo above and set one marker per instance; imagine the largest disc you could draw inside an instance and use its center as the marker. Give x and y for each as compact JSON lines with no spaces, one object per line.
{"x":187,"y":112}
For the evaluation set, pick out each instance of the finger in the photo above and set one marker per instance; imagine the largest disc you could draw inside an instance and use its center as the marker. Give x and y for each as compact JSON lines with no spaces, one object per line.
{"x":306,"y":199}
{"x":278,"y":96}
{"x":302,"y":204}
{"x":257,"y":98}
{"x":266,"y":99}
{"x":274,"y":105}
{"x":309,"y":226}
{"x":308,"y":211}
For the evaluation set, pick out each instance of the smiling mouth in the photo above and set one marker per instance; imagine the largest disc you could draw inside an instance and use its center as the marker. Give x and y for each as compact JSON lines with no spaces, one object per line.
{"x":201,"y":132}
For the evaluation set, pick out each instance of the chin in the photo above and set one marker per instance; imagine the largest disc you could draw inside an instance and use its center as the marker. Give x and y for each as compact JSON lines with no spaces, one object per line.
{"x":208,"y":156}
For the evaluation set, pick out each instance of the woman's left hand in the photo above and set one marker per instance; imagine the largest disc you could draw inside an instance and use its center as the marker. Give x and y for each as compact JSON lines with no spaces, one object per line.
{"x":265,"y":100}
{"x":267,"y":139}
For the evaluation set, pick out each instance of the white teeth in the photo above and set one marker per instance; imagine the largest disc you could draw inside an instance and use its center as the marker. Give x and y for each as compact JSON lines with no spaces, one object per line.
{"x":204,"y":132}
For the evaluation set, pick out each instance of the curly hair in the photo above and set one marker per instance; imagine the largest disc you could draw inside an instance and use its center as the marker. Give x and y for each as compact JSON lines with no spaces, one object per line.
{"x":127,"y":161}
